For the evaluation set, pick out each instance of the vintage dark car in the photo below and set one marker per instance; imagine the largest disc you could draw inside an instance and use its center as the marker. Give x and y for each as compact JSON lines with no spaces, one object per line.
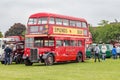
{"x":17,"y":52}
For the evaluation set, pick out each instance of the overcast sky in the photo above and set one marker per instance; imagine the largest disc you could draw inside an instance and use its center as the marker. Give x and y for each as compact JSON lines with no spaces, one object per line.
{"x":18,"y":11}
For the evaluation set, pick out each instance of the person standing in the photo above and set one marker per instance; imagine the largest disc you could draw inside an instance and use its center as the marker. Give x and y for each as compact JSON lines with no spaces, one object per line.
{"x":97,"y":53}
{"x":114,"y":52}
{"x":8,"y":52}
{"x":103,"y":50}
{"x":118,"y":50}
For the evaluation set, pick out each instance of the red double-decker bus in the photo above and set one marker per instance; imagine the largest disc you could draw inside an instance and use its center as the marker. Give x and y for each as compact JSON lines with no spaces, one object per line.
{"x":52,"y":38}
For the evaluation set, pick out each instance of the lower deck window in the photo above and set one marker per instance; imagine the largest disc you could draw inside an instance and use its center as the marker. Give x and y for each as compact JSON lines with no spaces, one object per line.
{"x":49,"y":42}
{"x":59,"y":43}
{"x":68,"y":43}
{"x":38,"y":43}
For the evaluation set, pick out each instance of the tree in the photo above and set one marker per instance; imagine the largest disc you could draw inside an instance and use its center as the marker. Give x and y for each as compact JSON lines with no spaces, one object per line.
{"x":115,"y":32}
{"x":93,"y":33}
{"x":107,"y":33}
{"x":1,"y":35}
{"x":103,"y":22}
{"x":16,"y":30}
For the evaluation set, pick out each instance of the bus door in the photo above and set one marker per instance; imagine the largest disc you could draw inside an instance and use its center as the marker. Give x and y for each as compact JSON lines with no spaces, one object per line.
{"x":60,"y":51}
{"x":69,"y":49}
{"x":81,"y":44}
{"x":73,"y":47}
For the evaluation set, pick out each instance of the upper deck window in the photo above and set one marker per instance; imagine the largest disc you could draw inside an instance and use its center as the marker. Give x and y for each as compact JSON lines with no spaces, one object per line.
{"x":58,"y":21}
{"x":78,"y":24}
{"x":34,"y":29}
{"x":51,"y":21}
{"x":72,"y":23}
{"x":32,"y":21}
{"x":84,"y":25}
{"x":42,"y":21}
{"x":65,"y":22}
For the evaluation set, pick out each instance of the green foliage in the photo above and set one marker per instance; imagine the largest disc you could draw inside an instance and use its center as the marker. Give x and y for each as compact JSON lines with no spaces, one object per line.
{"x":16,"y":30}
{"x":103,"y":22}
{"x":1,"y":35}
{"x":93,"y":32}
{"x":23,"y":33}
{"x":106,"y":33}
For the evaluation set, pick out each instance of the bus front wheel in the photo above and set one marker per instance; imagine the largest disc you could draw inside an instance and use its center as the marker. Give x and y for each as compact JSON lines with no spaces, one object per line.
{"x":27,"y":62}
{"x":49,"y":60}
{"x":2,"y":62}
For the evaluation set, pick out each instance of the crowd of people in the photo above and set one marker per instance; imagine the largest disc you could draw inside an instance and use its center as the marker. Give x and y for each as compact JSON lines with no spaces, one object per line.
{"x":115,"y":52}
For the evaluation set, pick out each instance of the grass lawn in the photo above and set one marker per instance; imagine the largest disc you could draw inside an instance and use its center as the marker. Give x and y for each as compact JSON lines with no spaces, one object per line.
{"x":88,"y":70}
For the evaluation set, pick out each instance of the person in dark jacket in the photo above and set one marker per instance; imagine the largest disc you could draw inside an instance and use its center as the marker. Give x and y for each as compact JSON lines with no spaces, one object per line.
{"x":97,"y":53}
{"x":8,"y":52}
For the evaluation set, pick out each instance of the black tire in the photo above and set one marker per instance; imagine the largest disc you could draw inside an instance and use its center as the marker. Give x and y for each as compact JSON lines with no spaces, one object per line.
{"x":27,"y":62}
{"x":79,"y":57}
{"x":18,"y":60}
{"x":49,"y":60}
{"x":2,"y":62}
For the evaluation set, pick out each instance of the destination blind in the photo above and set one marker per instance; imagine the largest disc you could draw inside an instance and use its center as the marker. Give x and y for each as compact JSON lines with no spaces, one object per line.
{"x":72,"y":31}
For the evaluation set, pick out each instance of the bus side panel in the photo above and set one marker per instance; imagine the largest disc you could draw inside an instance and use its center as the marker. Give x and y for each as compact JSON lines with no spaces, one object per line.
{"x":70,"y":53}
{"x":60,"y":54}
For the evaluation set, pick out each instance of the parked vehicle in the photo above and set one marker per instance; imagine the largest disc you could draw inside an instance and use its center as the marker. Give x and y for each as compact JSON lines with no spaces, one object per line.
{"x":109,"y":48}
{"x":17,"y":46}
{"x":90,"y":53}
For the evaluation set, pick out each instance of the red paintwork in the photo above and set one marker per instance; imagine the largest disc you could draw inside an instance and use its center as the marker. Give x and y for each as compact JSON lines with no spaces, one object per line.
{"x":89,"y":39}
{"x":44,"y":14}
{"x":62,"y":53}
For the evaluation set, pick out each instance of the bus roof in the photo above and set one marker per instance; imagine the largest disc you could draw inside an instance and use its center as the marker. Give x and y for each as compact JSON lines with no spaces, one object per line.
{"x":45,"y":14}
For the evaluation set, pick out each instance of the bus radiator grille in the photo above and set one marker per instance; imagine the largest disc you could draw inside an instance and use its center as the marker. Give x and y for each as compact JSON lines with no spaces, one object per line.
{"x":34,"y":55}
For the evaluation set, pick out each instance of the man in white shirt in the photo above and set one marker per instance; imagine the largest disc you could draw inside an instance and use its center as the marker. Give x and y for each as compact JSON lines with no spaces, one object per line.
{"x":118,"y":50}
{"x":103,"y":49}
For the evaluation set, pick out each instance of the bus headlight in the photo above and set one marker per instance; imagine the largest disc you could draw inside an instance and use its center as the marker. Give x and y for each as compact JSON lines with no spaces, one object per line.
{"x":27,"y":55}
